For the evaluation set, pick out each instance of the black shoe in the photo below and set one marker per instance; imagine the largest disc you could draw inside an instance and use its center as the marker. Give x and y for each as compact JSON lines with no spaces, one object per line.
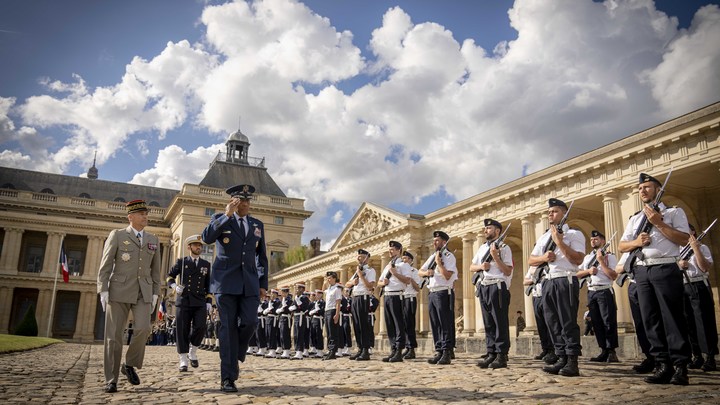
{"x":550,"y":358}
{"x":364,"y":355}
{"x":645,"y":366}
{"x":680,"y":377}
{"x":182,"y":369}
{"x":557,"y":366}
{"x":612,"y":356}
{"x":541,"y":355}
{"x":571,"y":367}
{"x":396,"y":358}
{"x":696,"y":363}
{"x":111,"y":387}
{"x":330,"y":356}
{"x":436,"y":358}
{"x":486,"y":362}
{"x":390,"y":356}
{"x":709,"y":364}
{"x":130,"y":373}
{"x":405,"y":352}
{"x":228,"y":385}
{"x":602,"y":357}
{"x":445,"y":358}
{"x":194,"y":363}
{"x":356,"y":355}
{"x":500,"y":361}
{"x":410,"y":354}
{"x":485,"y":356}
{"x":452,"y":354}
{"x":663,"y":374}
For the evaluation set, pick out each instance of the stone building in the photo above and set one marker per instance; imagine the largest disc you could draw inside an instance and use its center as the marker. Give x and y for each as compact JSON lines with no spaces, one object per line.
{"x":603,"y":184}
{"x":41,"y":211}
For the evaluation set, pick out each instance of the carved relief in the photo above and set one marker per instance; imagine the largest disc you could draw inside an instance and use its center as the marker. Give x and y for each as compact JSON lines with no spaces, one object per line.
{"x":369,"y":223}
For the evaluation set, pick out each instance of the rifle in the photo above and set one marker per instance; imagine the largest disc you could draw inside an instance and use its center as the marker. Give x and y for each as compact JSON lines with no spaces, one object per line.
{"x":388,"y":274}
{"x":539,"y":271}
{"x":433,"y":265}
{"x":687,"y":252}
{"x":361,"y":267}
{"x":487,"y":258}
{"x":594,"y":261}
{"x":644,"y":227}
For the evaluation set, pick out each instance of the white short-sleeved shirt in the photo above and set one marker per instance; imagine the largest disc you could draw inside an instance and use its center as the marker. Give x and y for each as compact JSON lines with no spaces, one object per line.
{"x":693,"y":269}
{"x":494,"y":272}
{"x":600,"y":278}
{"x":537,"y":288}
{"x":332,"y":295}
{"x":360,"y":288}
{"x":574,"y":239}
{"x":409,"y":290}
{"x":660,"y":246}
{"x":394,"y":284}
{"x":438,"y":280}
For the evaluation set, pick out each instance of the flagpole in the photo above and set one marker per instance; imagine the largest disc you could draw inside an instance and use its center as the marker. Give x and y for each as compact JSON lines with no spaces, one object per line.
{"x":52,"y":301}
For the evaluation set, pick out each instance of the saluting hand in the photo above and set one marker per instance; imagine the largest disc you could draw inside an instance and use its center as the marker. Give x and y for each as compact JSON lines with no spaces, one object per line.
{"x":231,"y":207}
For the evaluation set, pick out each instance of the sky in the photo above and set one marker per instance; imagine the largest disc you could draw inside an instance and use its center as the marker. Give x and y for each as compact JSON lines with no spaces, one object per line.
{"x":409,"y":104}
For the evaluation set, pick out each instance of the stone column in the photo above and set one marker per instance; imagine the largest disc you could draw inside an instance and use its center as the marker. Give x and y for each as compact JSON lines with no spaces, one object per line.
{"x":93,"y":255}
{"x":380,"y":314}
{"x":613,"y":224}
{"x":423,"y":310}
{"x":11,"y":251}
{"x":51,"y":262}
{"x":468,"y":289}
{"x":165,"y":262}
{"x":479,"y":322}
{"x":6,"y":296}
{"x":528,"y":242}
{"x":42,"y":312}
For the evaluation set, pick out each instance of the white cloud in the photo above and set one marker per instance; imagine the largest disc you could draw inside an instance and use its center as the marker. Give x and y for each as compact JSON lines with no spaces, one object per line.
{"x":175,"y":167}
{"x":338,"y":216}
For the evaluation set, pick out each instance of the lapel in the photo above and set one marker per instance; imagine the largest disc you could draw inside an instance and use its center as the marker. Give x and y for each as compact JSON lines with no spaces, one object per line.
{"x":133,"y":236}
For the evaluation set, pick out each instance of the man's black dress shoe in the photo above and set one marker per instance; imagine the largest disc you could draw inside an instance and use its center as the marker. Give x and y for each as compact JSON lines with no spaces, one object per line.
{"x":111,"y":387}
{"x":130,"y":373}
{"x":228,"y":385}
{"x":194,"y":363}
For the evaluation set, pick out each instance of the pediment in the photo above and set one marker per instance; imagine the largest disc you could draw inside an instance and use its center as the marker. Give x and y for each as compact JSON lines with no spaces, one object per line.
{"x":369,"y":220}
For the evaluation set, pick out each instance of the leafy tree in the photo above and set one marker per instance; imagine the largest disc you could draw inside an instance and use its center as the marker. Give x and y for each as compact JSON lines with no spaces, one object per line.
{"x":297,"y":255}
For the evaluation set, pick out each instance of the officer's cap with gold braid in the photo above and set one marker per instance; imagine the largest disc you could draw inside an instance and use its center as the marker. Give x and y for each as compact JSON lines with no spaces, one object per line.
{"x":442,"y":235}
{"x":244,"y":191}
{"x":136,"y":206}
{"x":193,"y":239}
{"x":644,"y":178}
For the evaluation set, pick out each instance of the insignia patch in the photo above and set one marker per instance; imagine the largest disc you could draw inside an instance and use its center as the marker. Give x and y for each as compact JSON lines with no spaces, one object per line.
{"x":126,"y":243}
{"x":152,"y":246}
{"x":226,"y":240}
{"x":125,"y":256}
{"x":204,"y":271}
{"x":258,"y":232}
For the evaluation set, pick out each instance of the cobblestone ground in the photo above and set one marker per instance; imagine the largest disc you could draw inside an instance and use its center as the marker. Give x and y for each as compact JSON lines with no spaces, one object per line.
{"x":72,"y":373}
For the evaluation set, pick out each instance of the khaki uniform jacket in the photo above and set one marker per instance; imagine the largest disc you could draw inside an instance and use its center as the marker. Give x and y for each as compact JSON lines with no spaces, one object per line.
{"x":127,"y":269}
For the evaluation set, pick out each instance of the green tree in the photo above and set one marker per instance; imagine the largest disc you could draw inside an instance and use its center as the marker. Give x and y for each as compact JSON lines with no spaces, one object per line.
{"x":297,"y":255}
{"x":28,"y":326}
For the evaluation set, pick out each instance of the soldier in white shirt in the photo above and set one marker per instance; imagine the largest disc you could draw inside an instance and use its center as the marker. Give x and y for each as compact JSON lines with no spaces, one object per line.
{"x":601,"y":300}
{"x":441,"y":268}
{"x":410,"y":307}
{"x":362,"y":284}
{"x":548,"y":350}
{"x":394,"y":280}
{"x":561,"y":288}
{"x":333,"y":299}
{"x":493,"y":290}
{"x":660,"y":282}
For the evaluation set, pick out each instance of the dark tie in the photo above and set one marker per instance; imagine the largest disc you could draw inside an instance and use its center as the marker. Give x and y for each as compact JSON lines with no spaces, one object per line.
{"x":139,"y":238}
{"x":242,"y":227}
{"x":195,"y":262}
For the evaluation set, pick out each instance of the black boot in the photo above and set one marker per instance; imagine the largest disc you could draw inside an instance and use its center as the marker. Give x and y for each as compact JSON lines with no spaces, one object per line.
{"x":602,"y":357}
{"x":696,"y":362}
{"x":645,"y":366}
{"x":612,"y":356}
{"x":550,"y":358}
{"x":541,"y":355}
{"x":364,"y":355}
{"x":663,"y":373}
{"x":709,"y":364}
{"x":436,"y":358}
{"x":487,"y":360}
{"x":410,"y":354}
{"x":500,"y":361}
{"x":390,"y":356}
{"x":571,"y":367}
{"x":445,"y":358}
{"x":405,"y":352}
{"x":680,"y":377}
{"x":559,"y":364}
{"x":356,"y":355}
{"x":396,"y":358}
{"x":452,"y":353}
{"x":330,"y":355}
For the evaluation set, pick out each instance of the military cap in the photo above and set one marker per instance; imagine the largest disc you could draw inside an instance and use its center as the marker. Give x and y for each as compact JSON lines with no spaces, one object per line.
{"x":490,"y":221}
{"x":307,"y":293}
{"x":244,"y":191}
{"x":395,"y":244}
{"x":442,"y":235}
{"x":554,"y":202}
{"x":644,"y":178}
{"x":332,"y":274}
{"x":363,"y":252}
{"x":319,"y":291}
{"x":193,"y":239}
{"x":408,"y":254}
{"x":285,"y":288}
{"x":274,"y":291}
{"x":299,"y":285}
{"x":597,"y":234}
{"x":136,"y":206}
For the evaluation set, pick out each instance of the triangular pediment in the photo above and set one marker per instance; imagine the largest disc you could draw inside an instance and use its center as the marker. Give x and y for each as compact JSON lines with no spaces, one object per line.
{"x":369,"y":220}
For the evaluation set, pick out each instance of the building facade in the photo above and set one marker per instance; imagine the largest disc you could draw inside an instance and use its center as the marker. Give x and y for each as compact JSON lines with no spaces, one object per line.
{"x":603,"y":184}
{"x":39,"y":212}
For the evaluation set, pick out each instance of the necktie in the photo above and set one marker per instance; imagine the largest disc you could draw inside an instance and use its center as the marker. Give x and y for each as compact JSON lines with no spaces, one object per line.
{"x":195,"y":261}
{"x":139,"y":238}
{"x":242,"y":227}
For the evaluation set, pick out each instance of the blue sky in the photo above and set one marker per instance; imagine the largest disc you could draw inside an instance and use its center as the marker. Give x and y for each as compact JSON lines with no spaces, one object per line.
{"x":407,"y":84}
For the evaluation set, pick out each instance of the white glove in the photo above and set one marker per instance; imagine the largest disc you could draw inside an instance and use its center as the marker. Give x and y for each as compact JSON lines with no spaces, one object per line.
{"x":279,"y":311}
{"x":104,"y":296}
{"x":178,"y":288}
{"x":313,"y":312}
{"x":208,"y":306}
{"x":292,"y":308}
{"x":155,"y":297}
{"x":266,"y":310}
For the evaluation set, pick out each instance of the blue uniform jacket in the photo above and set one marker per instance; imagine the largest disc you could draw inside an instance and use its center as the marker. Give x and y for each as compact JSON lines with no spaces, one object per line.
{"x":234,"y":270}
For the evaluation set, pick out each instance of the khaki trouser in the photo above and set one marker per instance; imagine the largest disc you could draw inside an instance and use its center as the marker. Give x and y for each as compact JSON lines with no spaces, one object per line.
{"x":116,"y":317}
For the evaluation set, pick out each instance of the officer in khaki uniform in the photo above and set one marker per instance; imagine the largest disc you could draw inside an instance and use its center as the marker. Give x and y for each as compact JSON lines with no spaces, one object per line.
{"x":128,"y":280}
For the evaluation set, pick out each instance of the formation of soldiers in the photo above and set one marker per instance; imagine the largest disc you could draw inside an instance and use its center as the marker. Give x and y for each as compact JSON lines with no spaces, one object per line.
{"x":666,"y":264}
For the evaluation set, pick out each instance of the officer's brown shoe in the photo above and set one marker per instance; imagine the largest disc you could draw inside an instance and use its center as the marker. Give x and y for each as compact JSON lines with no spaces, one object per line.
{"x":436,"y":358}
{"x":681,"y":376}
{"x":645,"y":366}
{"x":130,"y":373}
{"x":500,"y":361}
{"x":612,"y":356}
{"x":663,"y":374}
{"x":111,"y":387}
{"x":571,"y":367}
{"x":559,"y":364}
{"x":709,"y":364}
{"x":487,"y":360}
{"x":445,"y":358}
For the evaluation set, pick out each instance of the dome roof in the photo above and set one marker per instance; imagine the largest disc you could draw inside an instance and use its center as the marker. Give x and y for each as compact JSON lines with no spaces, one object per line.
{"x":238,"y":136}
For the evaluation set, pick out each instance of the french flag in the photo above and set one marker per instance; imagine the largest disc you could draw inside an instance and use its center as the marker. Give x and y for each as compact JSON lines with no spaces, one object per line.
{"x":161,"y":310}
{"x":64,"y":264}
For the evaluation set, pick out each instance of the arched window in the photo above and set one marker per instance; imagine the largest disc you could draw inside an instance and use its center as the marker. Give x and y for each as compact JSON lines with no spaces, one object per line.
{"x":119,"y":199}
{"x":154,"y":204}
{"x":8,"y":186}
{"x":47,"y":191}
{"x":84,"y":195}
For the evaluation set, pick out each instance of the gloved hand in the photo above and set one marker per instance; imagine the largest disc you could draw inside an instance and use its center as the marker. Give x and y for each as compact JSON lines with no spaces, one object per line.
{"x":279,"y":311}
{"x":155,"y":297}
{"x":178,"y":288}
{"x":292,"y":308}
{"x":208,"y":306}
{"x":313,"y":312}
{"x":104,"y":296}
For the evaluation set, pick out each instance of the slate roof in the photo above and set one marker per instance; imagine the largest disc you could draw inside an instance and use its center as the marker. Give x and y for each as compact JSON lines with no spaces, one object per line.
{"x":223,"y":175}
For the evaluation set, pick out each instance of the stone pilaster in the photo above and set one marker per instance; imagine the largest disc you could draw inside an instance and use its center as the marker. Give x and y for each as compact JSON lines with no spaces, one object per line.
{"x":468,"y":289}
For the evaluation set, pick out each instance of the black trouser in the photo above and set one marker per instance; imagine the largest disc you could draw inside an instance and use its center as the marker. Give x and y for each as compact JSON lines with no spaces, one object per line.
{"x":316,"y":332}
{"x":603,"y":314}
{"x":700,"y":314}
{"x":660,"y":292}
{"x":238,"y":317}
{"x":452,"y":319}
{"x":494,"y":303}
{"x":271,"y":331}
{"x":260,"y":335}
{"x":190,"y":326}
{"x":394,"y":321}
{"x":637,"y":319}
{"x":308,"y":327}
{"x":545,"y":341}
{"x":441,"y":321}
{"x":371,"y":320}
{"x":361,"y":321}
{"x":299,"y":331}
{"x":561,"y":314}
{"x":333,"y":331}
{"x":409,"y":311}
{"x":284,"y":334}
{"x":346,"y":332}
